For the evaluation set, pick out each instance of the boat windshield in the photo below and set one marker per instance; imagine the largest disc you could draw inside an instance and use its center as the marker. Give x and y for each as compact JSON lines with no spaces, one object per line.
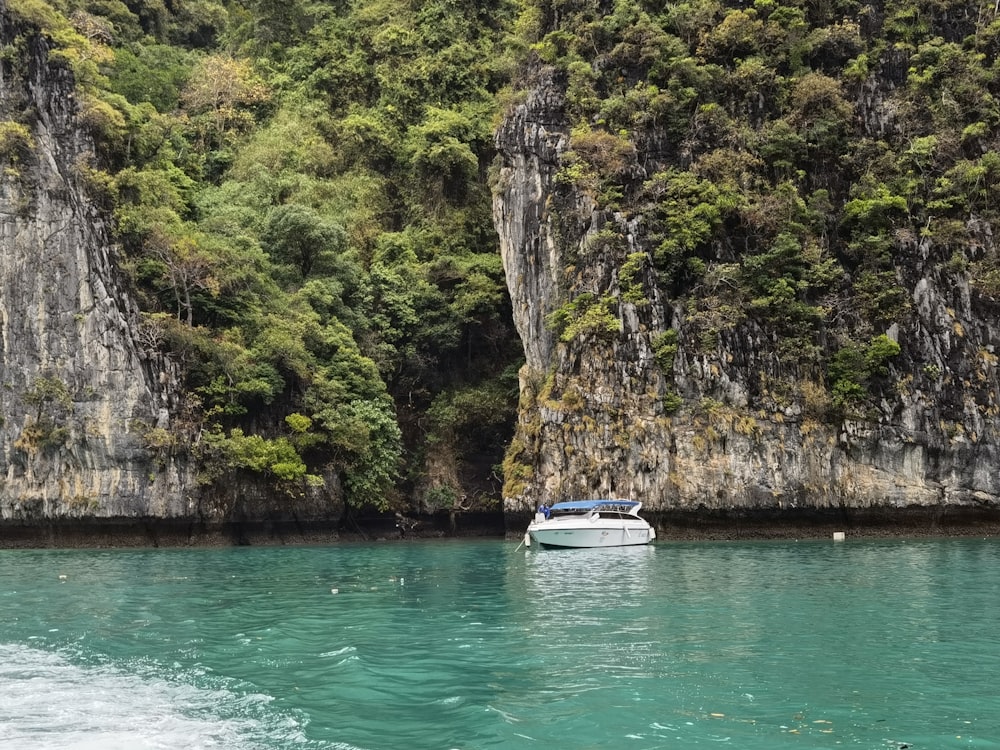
{"x":606,"y":510}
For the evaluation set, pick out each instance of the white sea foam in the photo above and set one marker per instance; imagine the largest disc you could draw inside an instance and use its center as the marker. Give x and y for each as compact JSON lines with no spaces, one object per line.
{"x":47,"y":702}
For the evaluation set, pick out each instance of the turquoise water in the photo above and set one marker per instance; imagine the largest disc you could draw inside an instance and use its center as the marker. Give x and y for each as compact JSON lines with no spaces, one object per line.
{"x":480,"y":645}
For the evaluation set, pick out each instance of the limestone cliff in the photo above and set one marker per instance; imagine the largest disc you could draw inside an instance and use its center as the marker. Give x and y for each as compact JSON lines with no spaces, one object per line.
{"x":95,"y":431}
{"x":721,"y":419}
{"x":77,"y":393}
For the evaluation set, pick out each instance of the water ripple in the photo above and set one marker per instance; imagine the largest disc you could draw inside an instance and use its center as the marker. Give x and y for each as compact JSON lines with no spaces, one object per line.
{"x":473,"y":645}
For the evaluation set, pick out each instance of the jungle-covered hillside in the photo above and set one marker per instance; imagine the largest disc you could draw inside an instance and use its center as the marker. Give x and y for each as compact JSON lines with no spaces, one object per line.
{"x":300,"y":194}
{"x":299,"y":191}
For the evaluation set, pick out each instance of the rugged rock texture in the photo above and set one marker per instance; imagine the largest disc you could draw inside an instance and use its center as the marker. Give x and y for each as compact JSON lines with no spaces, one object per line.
{"x":76,"y":390}
{"x":751,"y":435}
{"x":89,"y":402}
{"x":86,"y":400}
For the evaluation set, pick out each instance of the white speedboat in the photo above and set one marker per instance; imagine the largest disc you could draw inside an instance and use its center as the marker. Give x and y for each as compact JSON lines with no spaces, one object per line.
{"x":590,"y":523}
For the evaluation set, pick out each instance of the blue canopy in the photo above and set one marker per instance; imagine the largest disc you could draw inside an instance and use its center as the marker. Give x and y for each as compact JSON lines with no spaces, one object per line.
{"x":592,"y":504}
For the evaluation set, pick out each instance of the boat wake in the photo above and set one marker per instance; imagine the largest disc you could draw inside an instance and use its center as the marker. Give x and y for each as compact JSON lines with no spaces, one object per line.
{"x":47,"y":702}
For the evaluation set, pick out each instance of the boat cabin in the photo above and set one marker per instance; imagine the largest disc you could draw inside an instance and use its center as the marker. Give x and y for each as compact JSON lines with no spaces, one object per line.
{"x":603,"y":508}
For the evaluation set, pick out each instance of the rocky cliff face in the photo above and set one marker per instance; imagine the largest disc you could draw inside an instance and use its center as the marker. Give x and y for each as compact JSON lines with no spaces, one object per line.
{"x":89,"y":436}
{"x":77,"y":392}
{"x":728,"y":425}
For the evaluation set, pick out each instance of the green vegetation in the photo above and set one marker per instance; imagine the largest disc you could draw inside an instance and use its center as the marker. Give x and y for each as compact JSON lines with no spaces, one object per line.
{"x":16,"y":142}
{"x":46,"y":427}
{"x":665,"y":349}
{"x":300,"y":193}
{"x":585,"y":315}
{"x":853,"y":368}
{"x":797,"y":167}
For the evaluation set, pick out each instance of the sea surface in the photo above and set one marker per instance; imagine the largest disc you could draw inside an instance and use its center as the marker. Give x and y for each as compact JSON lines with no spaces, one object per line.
{"x":484,"y":644}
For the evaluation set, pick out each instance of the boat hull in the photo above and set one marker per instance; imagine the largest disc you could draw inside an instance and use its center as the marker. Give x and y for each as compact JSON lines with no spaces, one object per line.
{"x":555,"y":534}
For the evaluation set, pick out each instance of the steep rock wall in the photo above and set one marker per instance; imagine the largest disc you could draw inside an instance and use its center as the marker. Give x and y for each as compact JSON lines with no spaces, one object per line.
{"x":77,"y":392}
{"x":596,"y":417}
{"x":91,"y":446}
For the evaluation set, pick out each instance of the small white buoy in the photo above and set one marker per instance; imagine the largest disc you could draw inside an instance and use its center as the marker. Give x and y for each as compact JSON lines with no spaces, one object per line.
{"x":839,"y":536}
